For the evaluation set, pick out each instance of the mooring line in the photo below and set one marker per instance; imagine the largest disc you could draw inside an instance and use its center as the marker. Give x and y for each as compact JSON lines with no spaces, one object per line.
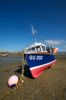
{"x":13,"y":90}
{"x":20,"y":80}
{"x":7,"y":94}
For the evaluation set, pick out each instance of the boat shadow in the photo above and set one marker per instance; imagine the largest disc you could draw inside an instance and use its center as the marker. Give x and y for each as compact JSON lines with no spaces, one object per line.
{"x":25,"y":71}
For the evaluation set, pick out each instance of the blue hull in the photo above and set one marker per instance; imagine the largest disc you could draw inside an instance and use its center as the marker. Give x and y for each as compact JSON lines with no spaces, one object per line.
{"x":39,"y":62}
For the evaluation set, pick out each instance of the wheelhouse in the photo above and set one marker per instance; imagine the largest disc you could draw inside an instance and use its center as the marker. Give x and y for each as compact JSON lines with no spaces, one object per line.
{"x":36,"y":47}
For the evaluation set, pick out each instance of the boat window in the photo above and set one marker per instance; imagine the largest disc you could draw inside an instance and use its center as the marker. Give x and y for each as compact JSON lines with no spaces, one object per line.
{"x":28,"y":50}
{"x":38,"y":48}
{"x":43,"y":48}
{"x":32,"y":49}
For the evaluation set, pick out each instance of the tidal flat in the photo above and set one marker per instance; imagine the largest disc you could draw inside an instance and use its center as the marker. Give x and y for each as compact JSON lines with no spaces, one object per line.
{"x":51,"y":85}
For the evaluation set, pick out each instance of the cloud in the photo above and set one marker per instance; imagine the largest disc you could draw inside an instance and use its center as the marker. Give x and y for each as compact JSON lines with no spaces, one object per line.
{"x":60,"y":44}
{"x":55,"y":42}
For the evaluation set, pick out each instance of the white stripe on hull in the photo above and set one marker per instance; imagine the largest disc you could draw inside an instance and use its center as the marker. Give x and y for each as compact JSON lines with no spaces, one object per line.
{"x":43,"y":65}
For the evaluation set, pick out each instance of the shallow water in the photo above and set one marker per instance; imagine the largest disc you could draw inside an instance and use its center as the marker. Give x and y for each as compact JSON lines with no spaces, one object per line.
{"x":9,"y":60}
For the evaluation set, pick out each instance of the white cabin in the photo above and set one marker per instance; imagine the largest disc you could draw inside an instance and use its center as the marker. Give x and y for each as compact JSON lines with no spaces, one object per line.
{"x":36,"y":47}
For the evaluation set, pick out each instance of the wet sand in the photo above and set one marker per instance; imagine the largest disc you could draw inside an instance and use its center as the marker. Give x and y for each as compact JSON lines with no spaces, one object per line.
{"x":51,"y":85}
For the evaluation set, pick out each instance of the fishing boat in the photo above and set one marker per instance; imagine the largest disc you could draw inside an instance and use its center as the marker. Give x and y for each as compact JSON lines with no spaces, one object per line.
{"x":39,"y":57}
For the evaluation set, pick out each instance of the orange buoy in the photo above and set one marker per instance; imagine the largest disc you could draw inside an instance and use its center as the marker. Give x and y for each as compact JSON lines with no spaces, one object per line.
{"x":55,"y":50}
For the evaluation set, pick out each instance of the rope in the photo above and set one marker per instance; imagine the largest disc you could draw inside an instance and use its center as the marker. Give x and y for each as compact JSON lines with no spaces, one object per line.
{"x":13,"y":90}
{"x":7,"y":94}
{"x":20,"y":81}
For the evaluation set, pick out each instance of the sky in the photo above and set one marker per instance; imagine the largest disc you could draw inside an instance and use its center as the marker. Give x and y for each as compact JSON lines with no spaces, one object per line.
{"x":17,"y":16}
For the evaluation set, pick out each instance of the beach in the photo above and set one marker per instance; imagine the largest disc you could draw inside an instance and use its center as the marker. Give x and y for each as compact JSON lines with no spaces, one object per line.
{"x":51,"y":84}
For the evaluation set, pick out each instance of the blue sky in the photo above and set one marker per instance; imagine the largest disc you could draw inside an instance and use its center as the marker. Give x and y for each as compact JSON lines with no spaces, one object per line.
{"x":47,"y":16}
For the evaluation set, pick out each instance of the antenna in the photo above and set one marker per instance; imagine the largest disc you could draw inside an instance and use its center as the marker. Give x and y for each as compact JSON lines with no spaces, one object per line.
{"x":34,"y":32}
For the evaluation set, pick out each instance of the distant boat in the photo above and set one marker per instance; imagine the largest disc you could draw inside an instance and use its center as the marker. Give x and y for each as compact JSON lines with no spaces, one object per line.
{"x":39,"y":57}
{"x":4,"y":55}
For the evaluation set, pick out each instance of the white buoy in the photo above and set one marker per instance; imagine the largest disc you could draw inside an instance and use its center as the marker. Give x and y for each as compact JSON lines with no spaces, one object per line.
{"x":13,"y":81}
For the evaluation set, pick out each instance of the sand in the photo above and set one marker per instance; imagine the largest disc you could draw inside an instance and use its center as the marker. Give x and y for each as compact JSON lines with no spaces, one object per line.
{"x":51,"y":85}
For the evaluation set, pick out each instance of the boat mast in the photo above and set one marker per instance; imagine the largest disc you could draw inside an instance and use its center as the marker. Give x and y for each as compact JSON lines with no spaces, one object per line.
{"x":34,"y":32}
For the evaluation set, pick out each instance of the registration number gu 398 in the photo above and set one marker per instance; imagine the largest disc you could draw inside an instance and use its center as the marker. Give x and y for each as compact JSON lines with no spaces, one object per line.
{"x":35,"y":57}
